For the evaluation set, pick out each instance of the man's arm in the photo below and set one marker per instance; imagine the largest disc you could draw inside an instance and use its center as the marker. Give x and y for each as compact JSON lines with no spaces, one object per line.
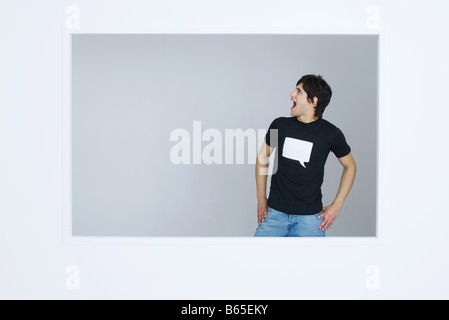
{"x":331,"y":211}
{"x":261,"y":181}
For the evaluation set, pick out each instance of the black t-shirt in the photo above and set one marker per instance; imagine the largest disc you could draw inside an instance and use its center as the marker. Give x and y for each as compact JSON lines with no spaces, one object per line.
{"x":302,"y":151}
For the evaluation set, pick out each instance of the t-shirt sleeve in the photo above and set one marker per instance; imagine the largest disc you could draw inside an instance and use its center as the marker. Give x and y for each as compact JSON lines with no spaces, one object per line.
{"x":272,"y":134}
{"x":339,"y":145}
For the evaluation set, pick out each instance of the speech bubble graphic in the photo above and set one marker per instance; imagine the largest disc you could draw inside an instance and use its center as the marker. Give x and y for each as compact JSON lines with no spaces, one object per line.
{"x":296,"y":149}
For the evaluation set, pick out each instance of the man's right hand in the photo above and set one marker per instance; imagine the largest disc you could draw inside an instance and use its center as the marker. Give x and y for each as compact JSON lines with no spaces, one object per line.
{"x":262,"y":209}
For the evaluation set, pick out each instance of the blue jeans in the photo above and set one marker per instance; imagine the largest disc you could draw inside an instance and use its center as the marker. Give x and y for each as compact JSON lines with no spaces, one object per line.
{"x":280,"y":224}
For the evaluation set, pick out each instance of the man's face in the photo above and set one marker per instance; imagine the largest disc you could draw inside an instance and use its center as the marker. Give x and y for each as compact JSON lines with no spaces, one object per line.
{"x":300,"y":103}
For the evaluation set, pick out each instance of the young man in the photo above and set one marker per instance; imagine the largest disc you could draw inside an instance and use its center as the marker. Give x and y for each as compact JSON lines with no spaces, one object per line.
{"x":304,"y":140}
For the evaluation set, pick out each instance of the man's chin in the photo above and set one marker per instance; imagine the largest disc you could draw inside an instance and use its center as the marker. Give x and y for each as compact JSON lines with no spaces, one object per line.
{"x":292,"y":111}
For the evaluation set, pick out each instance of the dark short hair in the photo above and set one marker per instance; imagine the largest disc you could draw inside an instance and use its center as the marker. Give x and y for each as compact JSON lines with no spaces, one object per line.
{"x":316,"y":86}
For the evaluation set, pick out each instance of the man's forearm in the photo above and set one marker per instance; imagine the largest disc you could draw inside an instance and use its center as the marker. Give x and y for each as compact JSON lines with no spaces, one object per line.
{"x":346,"y":182}
{"x":261,"y":180}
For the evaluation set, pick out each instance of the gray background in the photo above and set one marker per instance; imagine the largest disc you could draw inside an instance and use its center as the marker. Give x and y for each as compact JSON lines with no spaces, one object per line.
{"x":129,"y":92}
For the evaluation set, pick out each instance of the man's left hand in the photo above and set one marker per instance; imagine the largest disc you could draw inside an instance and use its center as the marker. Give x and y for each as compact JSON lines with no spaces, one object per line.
{"x":329,"y":213}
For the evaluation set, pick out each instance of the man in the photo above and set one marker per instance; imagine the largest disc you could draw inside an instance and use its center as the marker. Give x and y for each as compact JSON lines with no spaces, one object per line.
{"x":304,"y":140}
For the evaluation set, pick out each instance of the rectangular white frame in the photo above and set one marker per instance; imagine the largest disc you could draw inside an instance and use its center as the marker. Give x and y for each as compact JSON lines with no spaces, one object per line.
{"x":381,"y":186}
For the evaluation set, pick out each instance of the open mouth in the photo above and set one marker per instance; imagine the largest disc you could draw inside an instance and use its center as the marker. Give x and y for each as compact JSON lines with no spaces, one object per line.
{"x":294,"y":105}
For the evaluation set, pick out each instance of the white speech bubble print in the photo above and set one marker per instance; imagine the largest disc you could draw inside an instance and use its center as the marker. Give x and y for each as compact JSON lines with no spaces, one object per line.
{"x":297,"y":150}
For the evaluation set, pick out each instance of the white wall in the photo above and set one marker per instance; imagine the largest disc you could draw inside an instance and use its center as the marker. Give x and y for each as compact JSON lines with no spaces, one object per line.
{"x":409,"y":254}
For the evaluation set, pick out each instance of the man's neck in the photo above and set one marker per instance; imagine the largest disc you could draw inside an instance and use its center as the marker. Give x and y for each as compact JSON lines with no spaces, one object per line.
{"x":307,"y":118}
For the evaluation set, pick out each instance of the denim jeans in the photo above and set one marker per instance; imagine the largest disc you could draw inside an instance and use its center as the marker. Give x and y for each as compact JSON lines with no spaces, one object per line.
{"x":280,"y":224}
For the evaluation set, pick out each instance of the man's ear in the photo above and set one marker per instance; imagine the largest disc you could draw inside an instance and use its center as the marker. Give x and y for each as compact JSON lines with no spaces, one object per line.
{"x":315,"y":101}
